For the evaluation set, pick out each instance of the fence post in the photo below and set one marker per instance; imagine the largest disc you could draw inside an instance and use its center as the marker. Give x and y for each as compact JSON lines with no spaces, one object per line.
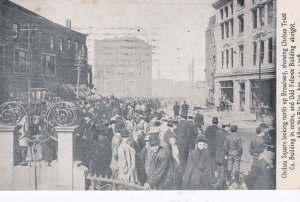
{"x":65,"y":157}
{"x":7,"y":157}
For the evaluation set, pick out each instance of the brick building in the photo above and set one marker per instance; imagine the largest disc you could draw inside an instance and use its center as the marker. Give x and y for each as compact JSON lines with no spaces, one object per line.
{"x":123,"y":67}
{"x":48,"y":55}
{"x":245,"y":41}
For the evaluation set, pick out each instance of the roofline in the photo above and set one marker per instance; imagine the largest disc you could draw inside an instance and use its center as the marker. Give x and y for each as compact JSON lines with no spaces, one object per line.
{"x":29,"y":12}
{"x":220,"y":3}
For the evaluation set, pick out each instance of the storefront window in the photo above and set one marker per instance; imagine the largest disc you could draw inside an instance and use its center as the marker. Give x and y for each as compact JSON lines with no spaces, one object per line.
{"x":227,"y":91}
{"x":267,"y":93}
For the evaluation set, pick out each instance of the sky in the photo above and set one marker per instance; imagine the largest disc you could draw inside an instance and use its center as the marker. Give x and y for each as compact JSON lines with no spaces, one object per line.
{"x":175,"y":28}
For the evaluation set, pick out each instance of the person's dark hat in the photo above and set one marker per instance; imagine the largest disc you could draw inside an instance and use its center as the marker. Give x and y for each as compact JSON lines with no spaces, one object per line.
{"x":154,"y":140}
{"x":157,"y":123}
{"x":105,"y":123}
{"x":112,"y":122}
{"x":183,"y":116}
{"x":201,"y":138}
{"x":233,"y":128}
{"x":124,"y":133}
{"x":258,"y":130}
{"x":264,"y":125}
{"x":174,"y":121}
{"x":215,"y":120}
{"x":119,"y":126}
{"x":190,"y":117}
{"x":170,"y":124}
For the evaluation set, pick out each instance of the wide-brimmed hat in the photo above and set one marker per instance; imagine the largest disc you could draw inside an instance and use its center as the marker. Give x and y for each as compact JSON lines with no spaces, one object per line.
{"x":154,"y":140}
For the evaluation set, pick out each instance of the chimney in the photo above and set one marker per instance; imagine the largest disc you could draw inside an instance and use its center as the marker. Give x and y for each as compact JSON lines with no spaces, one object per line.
{"x":68,"y":23}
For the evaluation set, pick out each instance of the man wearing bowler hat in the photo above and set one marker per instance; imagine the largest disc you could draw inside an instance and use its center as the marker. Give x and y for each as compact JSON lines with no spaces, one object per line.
{"x":210,"y":135}
{"x":161,"y":173}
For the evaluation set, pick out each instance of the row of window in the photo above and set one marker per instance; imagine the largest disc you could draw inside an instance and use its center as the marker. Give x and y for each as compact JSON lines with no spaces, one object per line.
{"x":224,"y":12}
{"x":21,"y":61}
{"x":259,"y":18}
{"x":228,"y":54}
{"x":15,"y":35}
{"x":261,"y":51}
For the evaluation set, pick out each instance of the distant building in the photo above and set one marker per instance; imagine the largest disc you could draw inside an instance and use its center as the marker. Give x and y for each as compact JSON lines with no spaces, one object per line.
{"x":245,"y":38}
{"x":53,"y":49}
{"x":210,"y":59}
{"x":123,"y":67}
{"x":162,"y":88}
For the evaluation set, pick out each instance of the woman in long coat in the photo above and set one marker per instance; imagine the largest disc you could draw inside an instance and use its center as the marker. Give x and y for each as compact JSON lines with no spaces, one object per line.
{"x":198,"y":175}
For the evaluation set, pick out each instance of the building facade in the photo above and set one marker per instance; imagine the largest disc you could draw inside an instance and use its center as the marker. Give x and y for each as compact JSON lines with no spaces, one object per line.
{"x":210,"y":59}
{"x":123,"y":67}
{"x":34,"y":49}
{"x":245,"y":54}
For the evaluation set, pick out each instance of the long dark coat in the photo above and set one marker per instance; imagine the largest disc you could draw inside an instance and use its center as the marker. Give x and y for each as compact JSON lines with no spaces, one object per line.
{"x":198,"y":173}
{"x":161,"y":175}
{"x":183,"y":140}
{"x":182,"y":135}
{"x":184,"y":109}
{"x":220,"y":139}
{"x":192,"y":133}
{"x":210,"y":135}
{"x":261,"y":176}
{"x":199,"y":119}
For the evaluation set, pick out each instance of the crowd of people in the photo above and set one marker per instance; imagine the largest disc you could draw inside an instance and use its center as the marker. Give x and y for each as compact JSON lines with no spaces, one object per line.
{"x":134,"y":141}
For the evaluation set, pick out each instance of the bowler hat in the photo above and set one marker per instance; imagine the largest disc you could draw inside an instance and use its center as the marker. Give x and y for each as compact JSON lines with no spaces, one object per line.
{"x":170,"y":124}
{"x":233,"y":128}
{"x":154,"y":140}
{"x":215,"y":120}
{"x":201,"y":138}
{"x":264,"y":125}
{"x":157,"y":123}
{"x":190,"y":117}
{"x":258,"y":130}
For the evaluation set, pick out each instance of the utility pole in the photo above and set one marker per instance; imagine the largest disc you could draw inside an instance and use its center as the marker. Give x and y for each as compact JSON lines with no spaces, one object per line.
{"x":28,"y":62}
{"x":192,"y":78}
{"x":78,"y":65}
{"x":258,"y":112}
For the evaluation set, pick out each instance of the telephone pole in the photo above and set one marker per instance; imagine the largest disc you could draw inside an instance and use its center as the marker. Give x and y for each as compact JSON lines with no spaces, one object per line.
{"x":79,"y":66}
{"x":28,"y":62}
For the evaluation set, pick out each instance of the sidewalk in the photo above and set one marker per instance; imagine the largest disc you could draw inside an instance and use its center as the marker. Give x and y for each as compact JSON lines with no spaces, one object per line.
{"x":242,"y":119}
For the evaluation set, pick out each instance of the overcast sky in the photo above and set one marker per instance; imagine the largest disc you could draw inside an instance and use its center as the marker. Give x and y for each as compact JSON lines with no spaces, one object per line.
{"x":176,"y":28}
